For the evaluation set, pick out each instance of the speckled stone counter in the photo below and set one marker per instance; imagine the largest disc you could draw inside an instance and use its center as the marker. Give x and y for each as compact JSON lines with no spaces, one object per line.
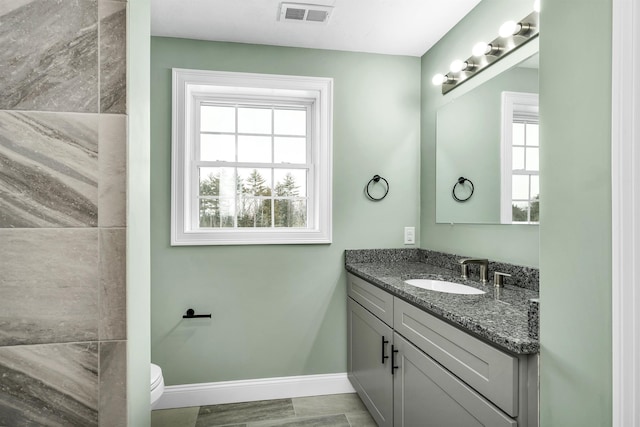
{"x":501,"y":317}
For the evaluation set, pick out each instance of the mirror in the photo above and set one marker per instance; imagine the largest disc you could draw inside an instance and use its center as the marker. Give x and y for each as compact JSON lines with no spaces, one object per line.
{"x":487,"y":151}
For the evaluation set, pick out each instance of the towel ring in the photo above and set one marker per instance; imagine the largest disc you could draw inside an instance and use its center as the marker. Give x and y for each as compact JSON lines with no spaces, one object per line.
{"x":461,"y":181}
{"x":377,"y":178}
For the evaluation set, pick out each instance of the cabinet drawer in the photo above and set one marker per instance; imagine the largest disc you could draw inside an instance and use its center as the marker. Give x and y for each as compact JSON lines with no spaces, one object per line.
{"x":490,"y":371}
{"x":426,"y":394}
{"x":374,"y":299}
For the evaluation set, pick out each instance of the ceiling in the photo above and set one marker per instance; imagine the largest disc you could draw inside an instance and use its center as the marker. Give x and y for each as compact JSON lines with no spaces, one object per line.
{"x":395,"y":27}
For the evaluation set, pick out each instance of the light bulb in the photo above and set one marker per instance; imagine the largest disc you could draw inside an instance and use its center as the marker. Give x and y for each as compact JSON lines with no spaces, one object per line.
{"x":508,"y":29}
{"x":536,"y":6}
{"x":480,"y":49}
{"x":438,"y":79}
{"x":457,"y":66}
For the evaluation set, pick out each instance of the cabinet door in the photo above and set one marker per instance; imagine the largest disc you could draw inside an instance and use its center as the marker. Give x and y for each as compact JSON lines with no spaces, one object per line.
{"x":427,"y":395}
{"x":368,"y":369}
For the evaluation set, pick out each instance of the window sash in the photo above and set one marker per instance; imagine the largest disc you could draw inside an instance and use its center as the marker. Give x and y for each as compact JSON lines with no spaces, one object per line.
{"x":196,"y":197}
{"x":272,"y":104}
{"x":516,"y":108}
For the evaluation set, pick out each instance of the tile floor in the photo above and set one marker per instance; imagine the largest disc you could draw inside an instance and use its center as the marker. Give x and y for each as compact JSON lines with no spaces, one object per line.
{"x":336,"y":410}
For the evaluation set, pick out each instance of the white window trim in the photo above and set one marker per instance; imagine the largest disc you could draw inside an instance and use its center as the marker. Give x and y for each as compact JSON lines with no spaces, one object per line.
{"x":509,"y":101}
{"x":189,"y":85}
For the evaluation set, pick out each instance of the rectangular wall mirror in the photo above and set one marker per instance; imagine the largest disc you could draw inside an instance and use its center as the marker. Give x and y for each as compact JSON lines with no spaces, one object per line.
{"x":489,"y":137}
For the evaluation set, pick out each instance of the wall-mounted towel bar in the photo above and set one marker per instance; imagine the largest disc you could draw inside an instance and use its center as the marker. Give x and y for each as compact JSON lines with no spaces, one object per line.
{"x":191,"y":314}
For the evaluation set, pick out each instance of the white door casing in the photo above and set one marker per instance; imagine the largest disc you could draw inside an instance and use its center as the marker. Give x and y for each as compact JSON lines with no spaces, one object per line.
{"x":625,"y":181}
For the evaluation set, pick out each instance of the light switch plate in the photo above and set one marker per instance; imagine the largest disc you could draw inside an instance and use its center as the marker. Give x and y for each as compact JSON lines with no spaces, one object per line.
{"x":409,"y":235}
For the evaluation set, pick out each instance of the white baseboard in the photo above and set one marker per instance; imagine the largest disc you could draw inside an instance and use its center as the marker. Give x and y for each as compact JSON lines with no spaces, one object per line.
{"x":180,"y":396}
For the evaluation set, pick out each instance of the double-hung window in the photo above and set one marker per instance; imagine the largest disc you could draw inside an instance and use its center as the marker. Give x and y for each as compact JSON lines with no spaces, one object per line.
{"x":520,"y":196}
{"x":251,"y":160}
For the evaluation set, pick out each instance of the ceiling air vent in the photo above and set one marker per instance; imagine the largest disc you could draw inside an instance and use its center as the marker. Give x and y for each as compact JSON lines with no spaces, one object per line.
{"x":301,"y":12}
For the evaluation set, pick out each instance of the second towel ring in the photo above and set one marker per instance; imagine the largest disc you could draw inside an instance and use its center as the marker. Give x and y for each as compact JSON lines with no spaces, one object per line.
{"x":376,"y":178}
{"x":461,"y":181}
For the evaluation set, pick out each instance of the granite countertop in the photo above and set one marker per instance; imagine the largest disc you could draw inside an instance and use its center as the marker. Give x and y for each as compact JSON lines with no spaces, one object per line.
{"x":501,"y":319}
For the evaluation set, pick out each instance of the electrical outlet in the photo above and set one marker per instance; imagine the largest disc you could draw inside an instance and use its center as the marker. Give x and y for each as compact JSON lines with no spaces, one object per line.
{"x":409,"y":235}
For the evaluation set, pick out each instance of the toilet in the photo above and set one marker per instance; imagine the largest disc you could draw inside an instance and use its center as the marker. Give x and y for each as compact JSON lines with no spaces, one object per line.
{"x":157,"y":385}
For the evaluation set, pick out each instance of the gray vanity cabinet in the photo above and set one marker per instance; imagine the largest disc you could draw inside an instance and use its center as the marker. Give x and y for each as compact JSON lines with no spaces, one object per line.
{"x":369,"y":347}
{"x":427,"y":395}
{"x":369,"y":371}
{"x":412,"y":369}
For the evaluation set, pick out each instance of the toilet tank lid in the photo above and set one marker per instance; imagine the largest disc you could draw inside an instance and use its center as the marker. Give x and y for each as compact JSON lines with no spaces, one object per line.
{"x":156,"y":374}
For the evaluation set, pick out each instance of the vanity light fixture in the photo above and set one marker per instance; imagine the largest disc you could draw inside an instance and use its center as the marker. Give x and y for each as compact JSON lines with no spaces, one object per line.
{"x":512,"y":28}
{"x":439,"y":79}
{"x":458,"y":65}
{"x":512,"y":35}
{"x":480,"y":49}
{"x":508,"y":29}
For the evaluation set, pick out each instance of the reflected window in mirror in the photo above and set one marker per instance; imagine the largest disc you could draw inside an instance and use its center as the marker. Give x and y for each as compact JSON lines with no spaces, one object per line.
{"x":520,"y":176}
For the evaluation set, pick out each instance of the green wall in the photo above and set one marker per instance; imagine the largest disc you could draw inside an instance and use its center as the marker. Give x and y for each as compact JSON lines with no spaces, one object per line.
{"x":516,"y":244}
{"x":575,"y":230}
{"x":280,"y":310}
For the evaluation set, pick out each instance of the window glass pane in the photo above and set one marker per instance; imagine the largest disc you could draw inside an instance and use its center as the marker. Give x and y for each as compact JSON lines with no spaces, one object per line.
{"x":290,"y":150}
{"x":254,"y":149}
{"x":290,"y":182}
{"x":535,"y":186}
{"x":519,"y":211}
{"x":217,"y":213}
{"x":533,"y":162}
{"x":518,"y":134}
{"x":254,"y":182}
{"x":254,"y":212}
{"x":520,"y":187}
{"x":217,"y":119}
{"x":221,"y":148}
{"x":517,"y":158}
{"x":254,"y":120}
{"x":290,"y":122}
{"x":535,"y":210}
{"x":532,"y":134}
{"x":290,"y":213}
{"x":217,"y":182}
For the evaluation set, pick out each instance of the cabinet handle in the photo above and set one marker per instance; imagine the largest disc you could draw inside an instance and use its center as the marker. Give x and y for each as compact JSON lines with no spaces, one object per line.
{"x":383,"y":345}
{"x":393,"y":359}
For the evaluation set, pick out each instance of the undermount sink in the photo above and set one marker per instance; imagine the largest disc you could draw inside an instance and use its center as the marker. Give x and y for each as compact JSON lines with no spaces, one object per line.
{"x":443,"y":286}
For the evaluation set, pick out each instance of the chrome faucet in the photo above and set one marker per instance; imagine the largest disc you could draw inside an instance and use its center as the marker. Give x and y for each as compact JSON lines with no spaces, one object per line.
{"x":484,"y":268}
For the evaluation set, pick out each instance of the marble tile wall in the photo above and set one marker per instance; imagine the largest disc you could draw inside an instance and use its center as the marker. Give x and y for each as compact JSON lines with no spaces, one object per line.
{"x":112,"y":170}
{"x":63,"y":136}
{"x":113,"y":385}
{"x":49,"y":55}
{"x":52,"y":384}
{"x":113,"y":56}
{"x":50,"y":165}
{"x":112,"y":286}
{"x":46,"y":297}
